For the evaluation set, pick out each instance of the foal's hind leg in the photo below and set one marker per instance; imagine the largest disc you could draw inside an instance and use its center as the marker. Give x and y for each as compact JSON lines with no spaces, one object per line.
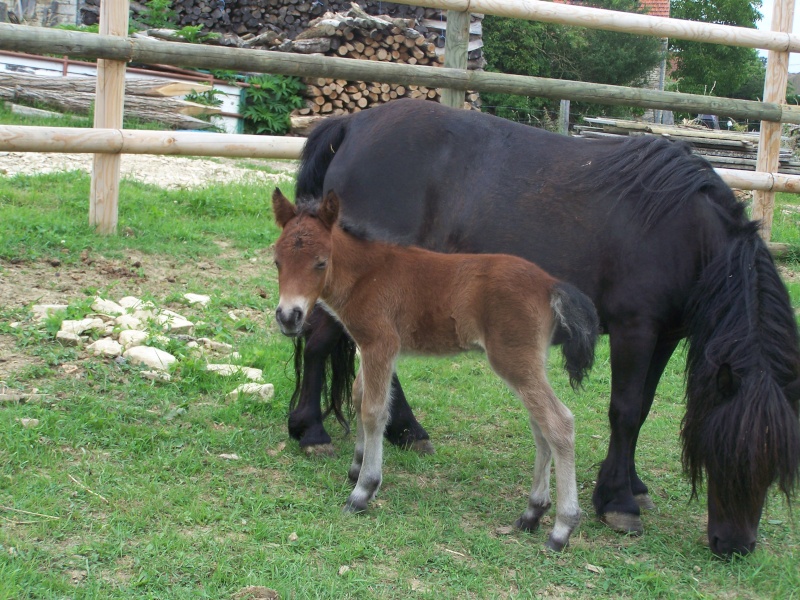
{"x":539,"y":502}
{"x":556,"y":425}
{"x":552,"y":424}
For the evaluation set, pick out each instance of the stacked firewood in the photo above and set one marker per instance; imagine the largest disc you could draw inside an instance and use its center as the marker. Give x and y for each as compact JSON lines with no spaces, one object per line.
{"x":359,"y":36}
{"x":289,"y":17}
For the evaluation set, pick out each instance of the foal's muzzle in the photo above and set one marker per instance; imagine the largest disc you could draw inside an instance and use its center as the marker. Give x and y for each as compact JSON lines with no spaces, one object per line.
{"x":290,"y":320}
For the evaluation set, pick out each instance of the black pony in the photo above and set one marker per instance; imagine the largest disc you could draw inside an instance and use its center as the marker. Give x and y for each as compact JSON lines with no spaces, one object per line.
{"x":643,"y":227}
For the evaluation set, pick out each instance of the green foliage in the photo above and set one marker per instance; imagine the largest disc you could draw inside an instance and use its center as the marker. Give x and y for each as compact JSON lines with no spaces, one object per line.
{"x":159,"y":13}
{"x":83,"y":28}
{"x":135,"y":494}
{"x":267,"y":103}
{"x":714,"y":69}
{"x":206,"y":98}
{"x":193,"y":34}
{"x":559,"y":52}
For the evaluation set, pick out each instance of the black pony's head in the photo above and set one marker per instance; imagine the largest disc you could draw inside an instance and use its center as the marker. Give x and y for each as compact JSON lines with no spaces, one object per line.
{"x":741,"y":425}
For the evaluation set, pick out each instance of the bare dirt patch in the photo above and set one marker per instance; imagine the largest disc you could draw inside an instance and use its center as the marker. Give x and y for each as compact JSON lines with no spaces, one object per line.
{"x":50,"y":282}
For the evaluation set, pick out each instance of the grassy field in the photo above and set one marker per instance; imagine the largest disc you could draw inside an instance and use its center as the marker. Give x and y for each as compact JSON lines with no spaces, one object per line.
{"x":127,"y":488}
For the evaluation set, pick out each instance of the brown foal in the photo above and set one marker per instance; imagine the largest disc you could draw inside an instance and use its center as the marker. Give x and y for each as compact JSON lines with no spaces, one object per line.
{"x":393,"y":299}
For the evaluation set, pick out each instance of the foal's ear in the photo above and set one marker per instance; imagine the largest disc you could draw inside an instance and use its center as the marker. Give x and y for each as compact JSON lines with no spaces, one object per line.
{"x":284,"y":210}
{"x":329,"y":209}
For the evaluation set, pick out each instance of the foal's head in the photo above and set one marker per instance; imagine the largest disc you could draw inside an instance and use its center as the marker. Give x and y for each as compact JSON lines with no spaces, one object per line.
{"x":302,"y":253}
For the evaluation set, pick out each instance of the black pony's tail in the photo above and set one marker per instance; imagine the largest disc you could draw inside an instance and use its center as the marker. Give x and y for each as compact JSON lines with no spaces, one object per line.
{"x":339,"y":366}
{"x":318,"y":152}
{"x":577,"y":328}
{"x":337,"y":380}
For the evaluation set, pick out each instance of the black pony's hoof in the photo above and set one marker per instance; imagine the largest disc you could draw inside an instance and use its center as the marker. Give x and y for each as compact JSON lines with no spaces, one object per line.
{"x":645,"y":502}
{"x":623,"y":522}
{"x":319,"y":451}
{"x":422,"y":447}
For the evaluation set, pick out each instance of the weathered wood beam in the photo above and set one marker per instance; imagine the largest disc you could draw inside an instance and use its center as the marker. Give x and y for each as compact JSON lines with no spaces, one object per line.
{"x":41,"y":41}
{"x":609,"y":20}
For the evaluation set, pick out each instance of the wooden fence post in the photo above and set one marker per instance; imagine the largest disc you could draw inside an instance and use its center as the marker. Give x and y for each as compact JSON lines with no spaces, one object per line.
{"x":455,"y":53}
{"x":108,"y":114}
{"x":769,"y":141}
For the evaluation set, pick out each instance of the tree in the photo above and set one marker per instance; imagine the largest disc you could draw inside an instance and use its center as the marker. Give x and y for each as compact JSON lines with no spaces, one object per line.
{"x":713,"y":69}
{"x":560,"y":52}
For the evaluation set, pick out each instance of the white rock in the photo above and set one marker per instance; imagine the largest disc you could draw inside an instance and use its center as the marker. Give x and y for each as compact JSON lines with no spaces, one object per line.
{"x":197,"y":299}
{"x":134,"y":302}
{"x":132,"y":337}
{"x":105,"y":347}
{"x":66,"y":338}
{"x":151,"y":357}
{"x":129,"y":322}
{"x":27,"y":423}
{"x":175,"y":324}
{"x":229,"y":456}
{"x":216,"y":346}
{"x":42,"y":311}
{"x":225,"y":369}
{"x":78,"y":327}
{"x":156,"y":375}
{"x":144,"y":314}
{"x":107,"y":307}
{"x":264,"y":391}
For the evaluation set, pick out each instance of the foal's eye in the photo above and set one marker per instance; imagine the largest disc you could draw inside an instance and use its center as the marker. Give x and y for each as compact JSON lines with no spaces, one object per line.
{"x":321,"y":264}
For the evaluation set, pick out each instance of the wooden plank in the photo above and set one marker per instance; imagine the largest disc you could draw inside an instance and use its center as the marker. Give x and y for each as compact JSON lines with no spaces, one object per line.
{"x":770,"y":137}
{"x":455,"y":54}
{"x":104,"y":195}
{"x":608,"y":20}
{"x":23,"y":138}
{"x":29,"y":39}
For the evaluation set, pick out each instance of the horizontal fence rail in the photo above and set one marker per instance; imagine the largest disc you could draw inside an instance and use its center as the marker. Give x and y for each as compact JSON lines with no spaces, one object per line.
{"x":609,"y":20}
{"x":28,"y":39}
{"x":23,"y":138}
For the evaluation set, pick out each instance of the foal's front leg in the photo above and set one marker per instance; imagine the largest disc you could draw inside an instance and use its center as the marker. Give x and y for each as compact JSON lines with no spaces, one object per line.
{"x":377,"y":366}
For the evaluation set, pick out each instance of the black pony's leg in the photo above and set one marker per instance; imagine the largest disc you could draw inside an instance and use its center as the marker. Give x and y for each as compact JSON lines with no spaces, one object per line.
{"x":305,"y":420}
{"x":403,"y":429}
{"x":631,"y":351}
{"x":661,"y":355}
{"x":322,"y":333}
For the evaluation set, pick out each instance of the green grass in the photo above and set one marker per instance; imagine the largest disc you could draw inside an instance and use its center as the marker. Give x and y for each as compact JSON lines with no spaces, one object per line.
{"x":162,"y":515}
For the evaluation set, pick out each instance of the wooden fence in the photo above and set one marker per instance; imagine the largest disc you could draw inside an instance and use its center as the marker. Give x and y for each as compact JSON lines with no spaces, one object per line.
{"x":115,"y":49}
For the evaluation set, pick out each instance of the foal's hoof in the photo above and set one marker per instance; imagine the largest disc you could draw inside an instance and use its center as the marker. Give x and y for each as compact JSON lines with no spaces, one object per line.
{"x":623,"y":522}
{"x":524,"y":524}
{"x":354,"y":508}
{"x":422,"y":447}
{"x":320,"y":450}
{"x":644,"y":501}
{"x":554,"y":545}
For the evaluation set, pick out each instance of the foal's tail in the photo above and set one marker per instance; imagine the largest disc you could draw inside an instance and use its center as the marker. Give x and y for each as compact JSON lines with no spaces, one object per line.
{"x":577,"y":328}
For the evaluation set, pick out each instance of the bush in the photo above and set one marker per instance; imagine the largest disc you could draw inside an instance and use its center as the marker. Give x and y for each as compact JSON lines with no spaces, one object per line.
{"x":267,"y":103}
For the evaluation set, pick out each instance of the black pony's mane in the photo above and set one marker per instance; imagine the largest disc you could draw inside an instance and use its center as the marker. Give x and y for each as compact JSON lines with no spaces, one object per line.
{"x":743,"y":354}
{"x":740,"y":424}
{"x":658,"y":177}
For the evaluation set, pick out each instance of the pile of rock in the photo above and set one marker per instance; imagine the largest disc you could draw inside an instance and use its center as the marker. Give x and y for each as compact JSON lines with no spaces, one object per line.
{"x":135,"y":331}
